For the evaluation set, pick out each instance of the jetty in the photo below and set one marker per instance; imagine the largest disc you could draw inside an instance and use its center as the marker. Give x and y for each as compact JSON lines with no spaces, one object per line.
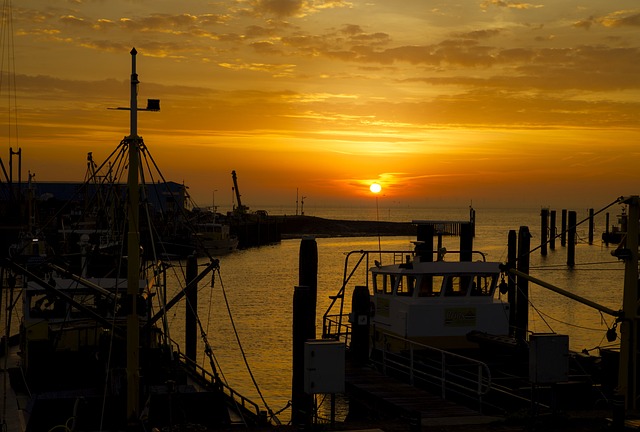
{"x":292,"y":227}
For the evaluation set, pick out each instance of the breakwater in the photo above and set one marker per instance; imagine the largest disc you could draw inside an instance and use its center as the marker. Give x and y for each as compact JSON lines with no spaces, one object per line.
{"x":299,"y":226}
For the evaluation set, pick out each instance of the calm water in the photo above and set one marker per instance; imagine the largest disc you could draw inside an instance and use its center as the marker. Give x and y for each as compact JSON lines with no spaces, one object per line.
{"x":259,"y":284}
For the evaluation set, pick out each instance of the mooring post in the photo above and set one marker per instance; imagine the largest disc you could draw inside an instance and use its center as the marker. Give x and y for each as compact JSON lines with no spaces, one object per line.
{"x":191,"y":310}
{"x":522,"y":293}
{"x":424,"y":236}
{"x":308,"y":276}
{"x":552,"y":230}
{"x":466,"y":242}
{"x":360,"y":314}
{"x":590,"y":226}
{"x":563,"y":232}
{"x":304,"y":328}
{"x":512,"y":244}
{"x":571,"y":249}
{"x":301,"y":402}
{"x":544,"y":230}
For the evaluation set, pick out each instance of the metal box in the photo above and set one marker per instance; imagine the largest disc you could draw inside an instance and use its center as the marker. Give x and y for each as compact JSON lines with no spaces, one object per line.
{"x":548,"y":358}
{"x":324,"y":366}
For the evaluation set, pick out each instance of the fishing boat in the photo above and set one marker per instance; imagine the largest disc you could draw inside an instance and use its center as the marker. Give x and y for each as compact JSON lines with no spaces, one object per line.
{"x":453,"y":323}
{"x":437,"y":303}
{"x":215,"y":239}
{"x":96,"y":353}
{"x":615,"y":232}
{"x":432,"y":296}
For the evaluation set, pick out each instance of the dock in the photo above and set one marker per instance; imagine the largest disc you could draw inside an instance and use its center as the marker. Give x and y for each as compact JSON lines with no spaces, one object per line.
{"x":379,"y":393}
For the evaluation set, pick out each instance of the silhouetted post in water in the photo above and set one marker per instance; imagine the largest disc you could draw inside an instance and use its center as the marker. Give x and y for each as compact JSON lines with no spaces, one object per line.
{"x":590,"y":226}
{"x":304,"y":328}
{"x":190,"y":327}
{"x":424,"y":234}
{"x":544,"y":228}
{"x":571,"y":250}
{"x":308,"y":276}
{"x":472,"y":219}
{"x":301,"y":402}
{"x":522,"y":296}
{"x":360,"y":313}
{"x":466,"y":242}
{"x":512,"y":245}
{"x":553,"y":231}
{"x":563,"y":232}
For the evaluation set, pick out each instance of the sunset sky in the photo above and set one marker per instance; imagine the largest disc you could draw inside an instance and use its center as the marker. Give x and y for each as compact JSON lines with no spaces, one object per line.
{"x":499,"y":103}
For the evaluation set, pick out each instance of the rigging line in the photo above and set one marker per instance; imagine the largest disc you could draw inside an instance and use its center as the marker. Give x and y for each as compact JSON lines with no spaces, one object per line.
{"x":617,"y":201}
{"x":112,"y":332}
{"x":564,"y":266}
{"x":7,"y":42}
{"x":209,"y":312}
{"x":529,"y":301}
{"x":542,"y":315}
{"x":78,"y":191}
{"x":244,"y":356}
{"x":181,"y":208}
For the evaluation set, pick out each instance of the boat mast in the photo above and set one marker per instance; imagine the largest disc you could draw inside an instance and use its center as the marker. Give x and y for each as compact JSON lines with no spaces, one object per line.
{"x":628,"y":374}
{"x":133,"y":252}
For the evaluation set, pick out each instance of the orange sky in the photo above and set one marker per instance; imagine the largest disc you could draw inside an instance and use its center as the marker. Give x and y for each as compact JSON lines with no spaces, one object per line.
{"x":499,"y":103}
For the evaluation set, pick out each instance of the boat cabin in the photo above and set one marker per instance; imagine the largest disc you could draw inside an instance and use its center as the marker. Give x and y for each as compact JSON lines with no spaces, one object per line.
{"x":437,"y":303}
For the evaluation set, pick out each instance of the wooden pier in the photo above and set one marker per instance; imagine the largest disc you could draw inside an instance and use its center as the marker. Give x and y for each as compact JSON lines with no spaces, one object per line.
{"x":375,"y":392}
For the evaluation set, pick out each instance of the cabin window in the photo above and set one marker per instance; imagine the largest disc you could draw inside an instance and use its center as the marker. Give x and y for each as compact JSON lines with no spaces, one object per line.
{"x":378,"y":283}
{"x":457,"y":286}
{"x":483,"y":285}
{"x":390,"y":284}
{"x":406,"y":285}
{"x":430,"y":285}
{"x":45,"y":306}
{"x":383,"y":283}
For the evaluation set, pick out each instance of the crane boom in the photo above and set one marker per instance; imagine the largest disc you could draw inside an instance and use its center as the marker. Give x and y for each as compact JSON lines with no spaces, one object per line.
{"x":240,"y":209}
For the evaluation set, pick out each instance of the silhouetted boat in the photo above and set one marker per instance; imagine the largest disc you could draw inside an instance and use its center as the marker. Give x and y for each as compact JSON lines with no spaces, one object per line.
{"x":96,"y":353}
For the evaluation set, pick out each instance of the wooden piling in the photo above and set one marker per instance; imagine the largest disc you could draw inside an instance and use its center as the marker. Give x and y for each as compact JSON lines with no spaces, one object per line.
{"x":512,"y":244}
{"x":191,"y":308}
{"x":522,"y":293}
{"x":301,"y":402}
{"x":591,"y":227}
{"x":308,"y":276}
{"x":544,"y":230}
{"x":571,"y":249}
{"x":304,"y":328}
{"x":360,"y":314}
{"x":466,"y":242}
{"x":424,"y":249}
{"x":563,"y":228}
{"x":552,"y":230}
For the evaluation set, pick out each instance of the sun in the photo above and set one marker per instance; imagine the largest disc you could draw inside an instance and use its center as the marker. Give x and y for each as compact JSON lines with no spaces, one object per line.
{"x":375,"y":188}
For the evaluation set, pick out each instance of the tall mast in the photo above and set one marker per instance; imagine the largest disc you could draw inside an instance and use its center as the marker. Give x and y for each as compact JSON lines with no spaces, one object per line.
{"x":628,"y":374}
{"x":133,"y":252}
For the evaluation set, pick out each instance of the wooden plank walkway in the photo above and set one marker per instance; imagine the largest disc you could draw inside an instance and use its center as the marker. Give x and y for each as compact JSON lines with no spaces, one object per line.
{"x":396,"y":397}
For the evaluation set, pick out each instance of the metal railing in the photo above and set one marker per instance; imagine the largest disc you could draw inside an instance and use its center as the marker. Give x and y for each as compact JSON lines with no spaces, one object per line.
{"x":209,"y":379}
{"x":424,"y":366}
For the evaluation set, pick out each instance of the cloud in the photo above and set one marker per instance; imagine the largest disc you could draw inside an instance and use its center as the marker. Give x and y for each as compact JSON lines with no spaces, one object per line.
{"x":294,"y":8}
{"x":509,"y":4}
{"x":622,"y":19}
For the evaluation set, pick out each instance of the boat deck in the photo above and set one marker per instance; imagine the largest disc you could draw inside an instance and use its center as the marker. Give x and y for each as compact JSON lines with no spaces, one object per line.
{"x":11,"y":413}
{"x":384,"y":393}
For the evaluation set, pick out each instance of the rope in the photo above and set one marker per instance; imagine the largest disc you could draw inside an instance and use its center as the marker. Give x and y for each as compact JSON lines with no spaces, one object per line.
{"x":244,"y":357}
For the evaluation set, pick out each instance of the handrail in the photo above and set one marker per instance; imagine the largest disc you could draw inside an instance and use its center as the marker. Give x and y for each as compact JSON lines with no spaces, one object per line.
{"x":209,"y":378}
{"x":364,"y":255}
{"x":421,"y":363}
{"x":347,"y":275}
